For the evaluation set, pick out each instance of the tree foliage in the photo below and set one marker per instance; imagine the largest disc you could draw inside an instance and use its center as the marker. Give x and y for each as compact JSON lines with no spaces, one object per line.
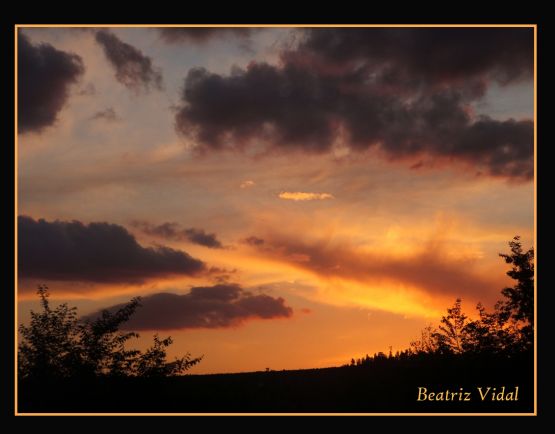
{"x":451,"y":336}
{"x":508,"y":329}
{"x":58,"y":344}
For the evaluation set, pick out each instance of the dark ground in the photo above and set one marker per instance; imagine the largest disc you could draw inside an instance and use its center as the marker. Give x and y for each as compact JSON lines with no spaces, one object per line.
{"x":389,"y":386}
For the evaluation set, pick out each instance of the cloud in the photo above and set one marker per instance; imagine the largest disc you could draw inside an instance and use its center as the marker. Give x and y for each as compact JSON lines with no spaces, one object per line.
{"x":198,"y":236}
{"x":88,"y":90}
{"x":44,"y":77}
{"x":429,"y":269}
{"x":302,"y":196}
{"x":97,"y":252}
{"x":424,"y":56}
{"x":133,"y":69}
{"x":224,"y":305}
{"x":253,"y":241}
{"x":175,"y":35}
{"x":108,"y":115}
{"x":247,"y":184}
{"x":406,"y":94}
{"x":173,"y":231}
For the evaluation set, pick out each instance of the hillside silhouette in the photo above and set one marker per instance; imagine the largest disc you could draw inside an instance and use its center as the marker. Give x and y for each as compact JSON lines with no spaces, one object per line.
{"x":71,"y":365}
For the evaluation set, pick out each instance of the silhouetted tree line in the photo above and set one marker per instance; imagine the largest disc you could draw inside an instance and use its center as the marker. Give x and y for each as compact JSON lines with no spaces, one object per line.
{"x":56,"y":344}
{"x":506,"y":331}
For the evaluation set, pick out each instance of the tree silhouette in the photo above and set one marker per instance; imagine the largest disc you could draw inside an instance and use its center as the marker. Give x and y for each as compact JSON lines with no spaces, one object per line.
{"x":519,"y":303}
{"x":56,"y":344}
{"x":489,"y":333}
{"x":427,"y":342}
{"x":508,"y":329}
{"x":153,"y":362}
{"x":102,"y":347}
{"x":452,"y":334}
{"x":47,"y":345}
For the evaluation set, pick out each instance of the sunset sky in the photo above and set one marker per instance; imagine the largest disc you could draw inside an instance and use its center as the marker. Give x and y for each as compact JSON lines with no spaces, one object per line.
{"x":279,"y":197}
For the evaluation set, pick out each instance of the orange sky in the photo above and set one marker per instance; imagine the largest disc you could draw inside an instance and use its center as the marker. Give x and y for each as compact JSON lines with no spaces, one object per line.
{"x":365,"y":246}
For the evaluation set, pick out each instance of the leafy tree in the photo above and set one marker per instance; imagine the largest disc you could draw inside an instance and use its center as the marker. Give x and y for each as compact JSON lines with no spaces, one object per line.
{"x":153,"y":363}
{"x":57,"y":344}
{"x":519,"y":303}
{"x":488,"y":333}
{"x":102,"y":347}
{"x":48,"y":346}
{"x":508,"y":329}
{"x":427,"y":342}
{"x":451,"y":336}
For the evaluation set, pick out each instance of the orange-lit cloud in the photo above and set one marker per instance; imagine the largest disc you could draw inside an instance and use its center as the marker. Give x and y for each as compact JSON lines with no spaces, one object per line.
{"x":409,"y":278}
{"x":300,"y":196}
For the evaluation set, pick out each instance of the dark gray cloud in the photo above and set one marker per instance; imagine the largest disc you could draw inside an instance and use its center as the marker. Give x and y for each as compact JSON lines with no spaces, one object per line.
{"x":201,"y":34}
{"x":199,"y":236}
{"x":402,"y":92}
{"x":97,"y":252}
{"x":133,"y":68}
{"x":108,"y":114}
{"x":173,"y":231}
{"x":168,"y":230}
{"x":44,"y":77}
{"x":223,"y":305}
{"x":414,"y":56}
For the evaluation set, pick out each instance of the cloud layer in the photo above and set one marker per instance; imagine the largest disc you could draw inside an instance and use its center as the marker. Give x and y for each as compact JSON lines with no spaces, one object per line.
{"x":425,"y":56}
{"x":97,"y":252}
{"x":404,"y":92}
{"x":133,"y":68}
{"x":429,"y":269}
{"x":44,"y":77}
{"x":173,"y":231}
{"x":175,"y":35}
{"x":224,"y":305}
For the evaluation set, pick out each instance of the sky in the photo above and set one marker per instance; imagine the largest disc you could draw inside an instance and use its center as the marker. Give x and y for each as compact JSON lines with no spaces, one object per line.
{"x":280,"y":198}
